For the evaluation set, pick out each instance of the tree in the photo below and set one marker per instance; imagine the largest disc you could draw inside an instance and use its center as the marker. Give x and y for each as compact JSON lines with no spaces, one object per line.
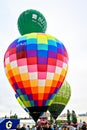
{"x":14,"y":116}
{"x":59,"y":122}
{"x":73,"y":117}
{"x":51,"y":118}
{"x":68,"y":117}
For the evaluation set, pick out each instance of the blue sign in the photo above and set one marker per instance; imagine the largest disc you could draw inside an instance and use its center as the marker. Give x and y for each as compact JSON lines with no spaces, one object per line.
{"x":8,"y":124}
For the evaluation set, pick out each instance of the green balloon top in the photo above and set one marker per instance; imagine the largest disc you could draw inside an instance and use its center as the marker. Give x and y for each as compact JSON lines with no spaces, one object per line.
{"x":63,"y":95}
{"x":31,"y":21}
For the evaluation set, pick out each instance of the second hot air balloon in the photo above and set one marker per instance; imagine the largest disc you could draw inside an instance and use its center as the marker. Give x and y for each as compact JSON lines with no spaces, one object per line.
{"x":61,"y":100}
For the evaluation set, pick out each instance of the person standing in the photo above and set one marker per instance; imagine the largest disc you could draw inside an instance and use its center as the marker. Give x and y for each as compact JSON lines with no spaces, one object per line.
{"x":18,"y":127}
{"x":47,"y":126}
{"x":28,"y":127}
{"x":39,"y":126}
{"x":84,"y":126}
{"x":23,"y":127}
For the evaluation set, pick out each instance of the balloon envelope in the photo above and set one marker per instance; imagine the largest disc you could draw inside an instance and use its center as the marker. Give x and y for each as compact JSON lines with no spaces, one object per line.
{"x":21,"y":103}
{"x":31,"y":21}
{"x":36,"y":65}
{"x":61,"y":100}
{"x":35,"y":115}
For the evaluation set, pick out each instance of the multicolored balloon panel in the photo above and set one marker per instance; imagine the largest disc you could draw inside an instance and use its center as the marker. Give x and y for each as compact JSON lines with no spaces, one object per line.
{"x":61,"y":100}
{"x":21,"y":103}
{"x":36,"y":65}
{"x":34,"y":115}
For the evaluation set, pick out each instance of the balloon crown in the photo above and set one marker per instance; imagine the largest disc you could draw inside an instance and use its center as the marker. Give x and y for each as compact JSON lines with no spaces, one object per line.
{"x":31,"y":21}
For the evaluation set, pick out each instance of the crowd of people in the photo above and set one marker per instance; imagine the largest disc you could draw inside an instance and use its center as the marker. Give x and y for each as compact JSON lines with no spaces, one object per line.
{"x":38,"y":126}
{"x":48,"y":126}
{"x":24,"y":127}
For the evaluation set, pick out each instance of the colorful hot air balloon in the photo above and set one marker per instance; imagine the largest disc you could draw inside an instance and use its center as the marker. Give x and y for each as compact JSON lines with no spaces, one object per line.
{"x":31,"y":21}
{"x":61,"y":100}
{"x":36,"y":65}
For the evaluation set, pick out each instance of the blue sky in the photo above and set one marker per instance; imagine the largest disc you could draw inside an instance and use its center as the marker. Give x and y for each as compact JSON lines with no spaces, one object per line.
{"x":67,"y":21}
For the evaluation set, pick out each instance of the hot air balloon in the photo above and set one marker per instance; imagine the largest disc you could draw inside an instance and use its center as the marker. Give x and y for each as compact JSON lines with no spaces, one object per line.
{"x":61,"y":100}
{"x":36,"y":65}
{"x":31,"y":21}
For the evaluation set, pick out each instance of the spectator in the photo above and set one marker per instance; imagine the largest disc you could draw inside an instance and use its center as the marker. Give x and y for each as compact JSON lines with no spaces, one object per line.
{"x":84,"y":126}
{"x":18,"y":127}
{"x":39,"y":127}
{"x":34,"y":127}
{"x":47,"y":126}
{"x":28,"y":127}
{"x":23,"y":127}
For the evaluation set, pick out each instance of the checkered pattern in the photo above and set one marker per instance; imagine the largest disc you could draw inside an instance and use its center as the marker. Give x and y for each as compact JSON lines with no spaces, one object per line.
{"x":36,"y":65}
{"x":21,"y":103}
